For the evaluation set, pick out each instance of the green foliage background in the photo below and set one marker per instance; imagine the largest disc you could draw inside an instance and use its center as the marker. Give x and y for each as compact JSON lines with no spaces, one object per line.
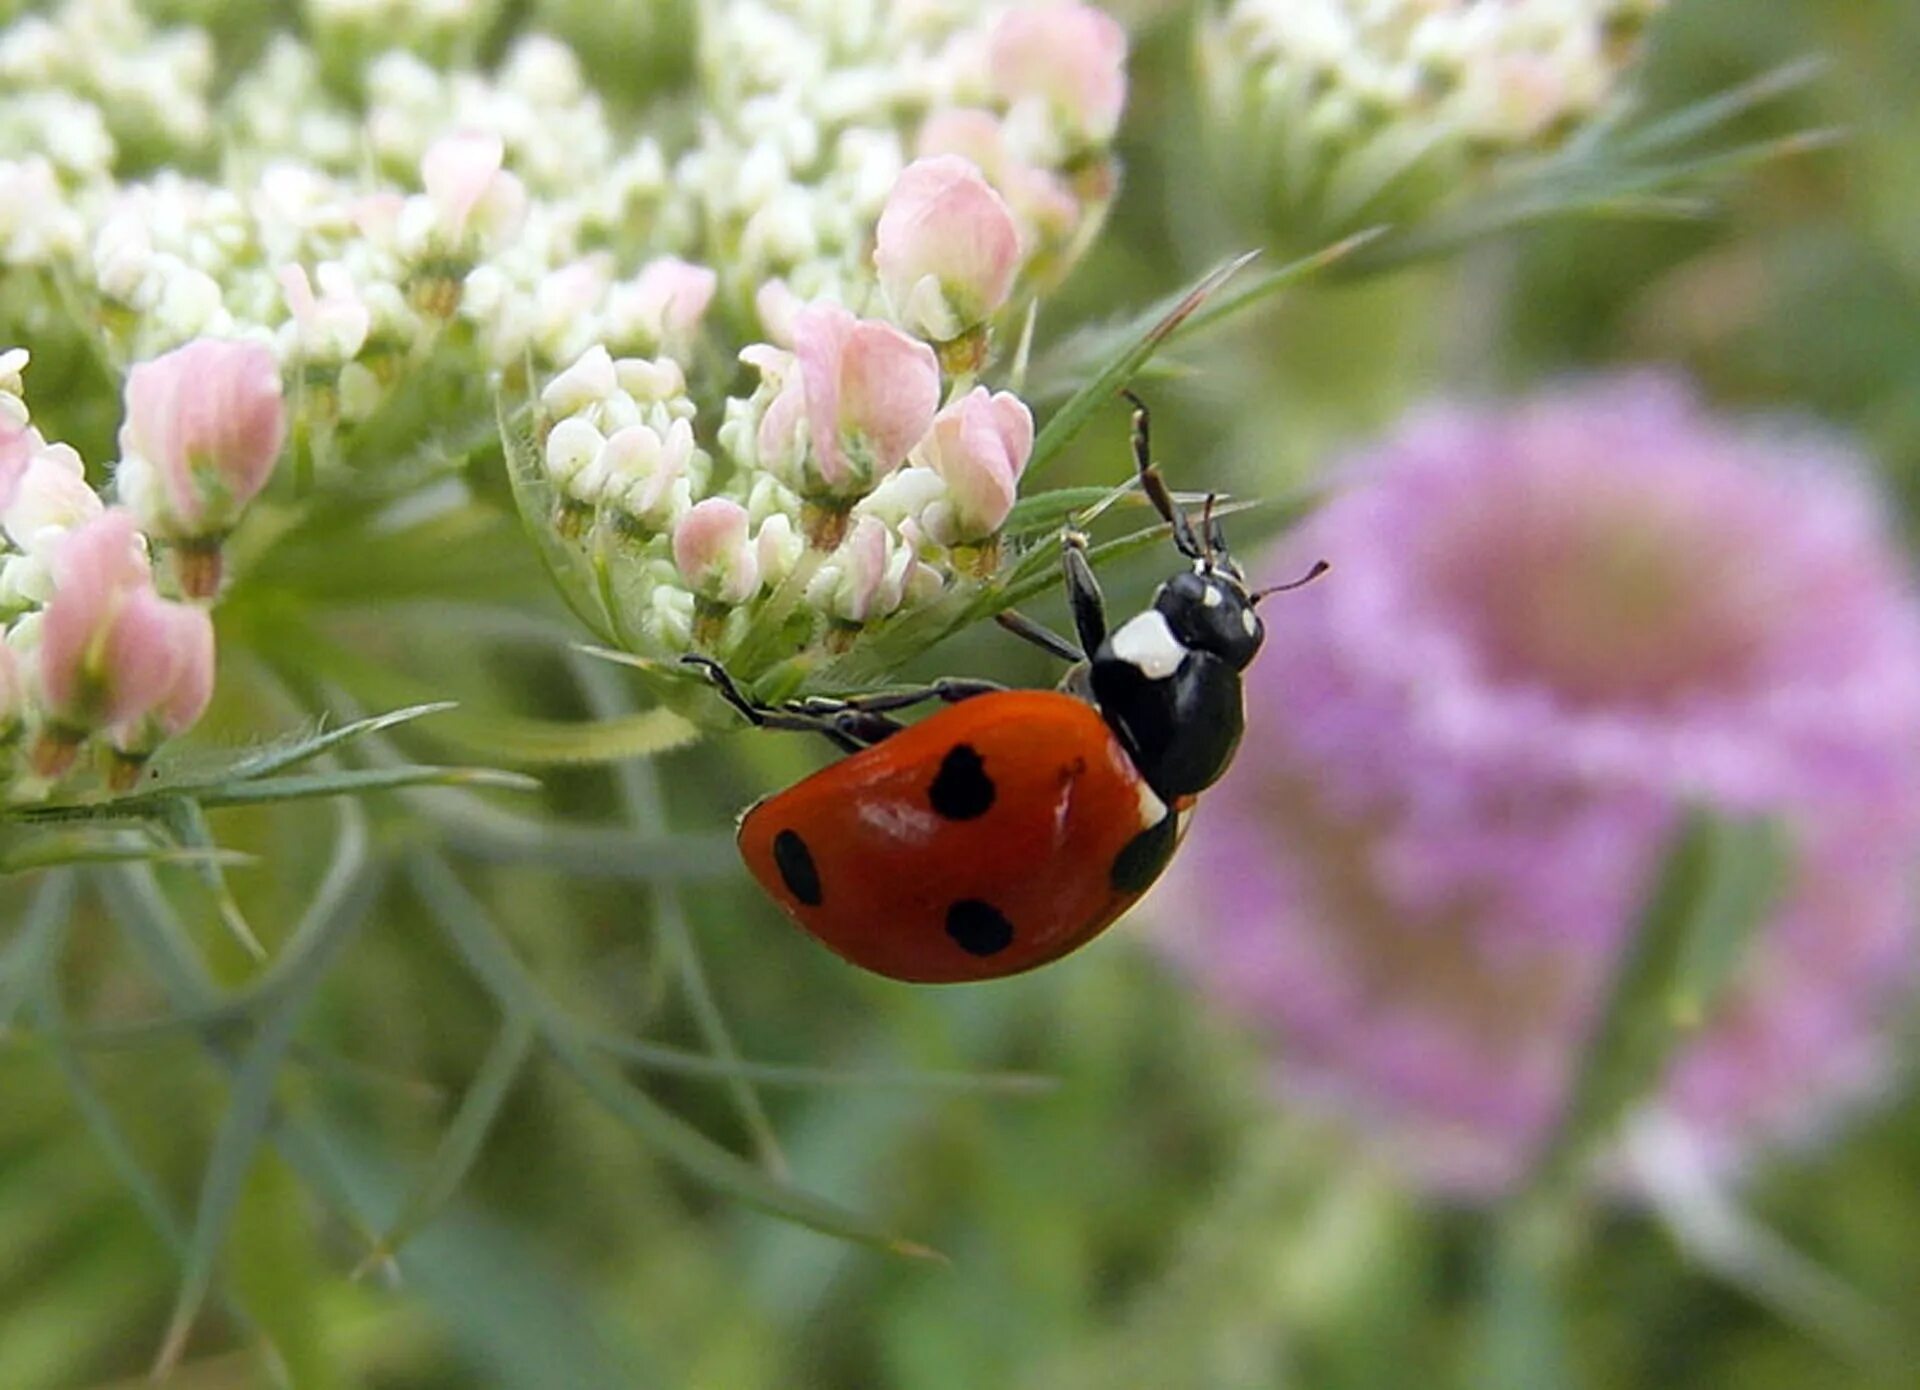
{"x":1114,"y":1198}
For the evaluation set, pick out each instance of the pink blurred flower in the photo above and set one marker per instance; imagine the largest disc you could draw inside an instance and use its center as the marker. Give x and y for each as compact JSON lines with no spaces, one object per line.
{"x":203,"y":430}
{"x":664,"y":302}
{"x":1072,"y":59}
{"x":18,"y":444}
{"x":1546,"y":631}
{"x":1039,"y":201}
{"x":946,"y":248}
{"x":331,"y":326}
{"x":13,"y":693}
{"x":713,"y":554}
{"x":469,"y":190}
{"x":855,"y":396}
{"x":979,"y":445}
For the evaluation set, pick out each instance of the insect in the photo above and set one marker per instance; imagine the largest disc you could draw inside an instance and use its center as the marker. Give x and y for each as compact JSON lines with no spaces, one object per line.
{"x":1012,"y":826}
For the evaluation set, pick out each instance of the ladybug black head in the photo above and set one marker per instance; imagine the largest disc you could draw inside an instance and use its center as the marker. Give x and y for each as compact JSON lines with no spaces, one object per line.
{"x":1209,"y":610}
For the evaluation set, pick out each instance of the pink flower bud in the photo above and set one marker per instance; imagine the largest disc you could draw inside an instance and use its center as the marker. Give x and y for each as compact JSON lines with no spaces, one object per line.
{"x":1039,"y":200}
{"x":161,"y":656}
{"x":1071,"y":58}
{"x":469,"y":190}
{"x":203,"y":430}
{"x":868,"y":391}
{"x":979,"y":445}
{"x":946,"y":247}
{"x":713,"y":554}
{"x":97,"y":570}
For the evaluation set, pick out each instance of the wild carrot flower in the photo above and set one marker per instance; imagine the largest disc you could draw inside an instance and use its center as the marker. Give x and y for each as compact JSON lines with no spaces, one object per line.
{"x":1325,"y":115}
{"x":1548,"y":630}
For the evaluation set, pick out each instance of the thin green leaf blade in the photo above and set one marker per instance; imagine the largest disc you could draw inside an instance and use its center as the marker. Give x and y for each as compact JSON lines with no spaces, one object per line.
{"x":465,"y":1134}
{"x":1118,"y":370}
{"x":471,"y":932}
{"x":348,"y":891}
{"x":1716,"y":885}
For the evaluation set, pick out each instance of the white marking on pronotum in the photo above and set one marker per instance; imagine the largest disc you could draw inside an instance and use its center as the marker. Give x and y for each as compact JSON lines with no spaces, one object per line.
{"x":1212,"y":599}
{"x":1248,"y":621}
{"x":1152,"y":809}
{"x":1148,"y":643}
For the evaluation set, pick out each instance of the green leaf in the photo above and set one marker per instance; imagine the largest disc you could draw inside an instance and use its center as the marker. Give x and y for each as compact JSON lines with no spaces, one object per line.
{"x":680,"y":1062}
{"x":348,"y":891}
{"x":187,"y":823}
{"x":98,"y":1117}
{"x":474,"y":936}
{"x":1664,"y":167}
{"x":465,"y":1134}
{"x":500,"y":737}
{"x":1717,"y":884}
{"x":548,"y":742}
{"x":33,"y":948}
{"x":68,"y":848}
{"x":347,"y":782}
{"x":642,"y":806}
{"x":1106,"y":356}
{"x":263,"y":762}
{"x":1138,"y":342}
{"x":1523,"y":1343}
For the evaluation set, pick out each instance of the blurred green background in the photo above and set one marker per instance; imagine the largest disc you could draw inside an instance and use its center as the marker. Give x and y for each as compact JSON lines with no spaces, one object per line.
{"x":1149,"y":1217}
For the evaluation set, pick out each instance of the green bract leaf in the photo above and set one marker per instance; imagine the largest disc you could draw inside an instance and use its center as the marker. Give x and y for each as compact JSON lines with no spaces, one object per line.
{"x":1137,"y":342}
{"x":539,"y":506}
{"x":1107,"y":356}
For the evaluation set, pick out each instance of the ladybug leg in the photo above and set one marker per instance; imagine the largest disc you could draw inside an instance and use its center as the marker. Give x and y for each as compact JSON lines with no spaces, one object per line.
{"x":1083,"y":592}
{"x":1045,"y":638}
{"x":1155,"y":486}
{"x":948,"y":689}
{"x":828,"y":726}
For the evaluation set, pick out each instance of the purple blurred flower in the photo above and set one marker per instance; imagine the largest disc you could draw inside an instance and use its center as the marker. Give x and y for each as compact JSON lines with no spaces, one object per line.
{"x":1547,"y":629}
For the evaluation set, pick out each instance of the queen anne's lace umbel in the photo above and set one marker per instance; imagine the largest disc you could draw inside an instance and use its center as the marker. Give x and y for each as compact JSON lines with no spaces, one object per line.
{"x":754,"y":316}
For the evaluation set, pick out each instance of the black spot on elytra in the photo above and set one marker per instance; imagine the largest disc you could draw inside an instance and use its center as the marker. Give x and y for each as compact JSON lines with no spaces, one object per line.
{"x":961,"y":790}
{"x":795,"y":862}
{"x":1146,"y":854}
{"x":978,"y":928}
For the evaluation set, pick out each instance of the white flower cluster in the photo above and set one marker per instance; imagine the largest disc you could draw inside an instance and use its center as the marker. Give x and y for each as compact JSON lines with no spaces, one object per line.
{"x":1363,"y":108}
{"x":840,"y":483}
{"x":866,"y":202}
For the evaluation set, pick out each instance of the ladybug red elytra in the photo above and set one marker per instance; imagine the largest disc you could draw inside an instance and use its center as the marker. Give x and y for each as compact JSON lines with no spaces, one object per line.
{"x":1013,"y":826}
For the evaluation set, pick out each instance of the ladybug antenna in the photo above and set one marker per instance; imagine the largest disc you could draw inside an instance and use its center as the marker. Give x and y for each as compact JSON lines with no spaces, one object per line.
{"x":1320,"y":567}
{"x":1155,"y":486}
{"x":1213,"y":545}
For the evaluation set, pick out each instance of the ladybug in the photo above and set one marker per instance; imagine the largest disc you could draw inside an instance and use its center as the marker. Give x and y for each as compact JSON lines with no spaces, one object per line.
{"x":1013,"y":826}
